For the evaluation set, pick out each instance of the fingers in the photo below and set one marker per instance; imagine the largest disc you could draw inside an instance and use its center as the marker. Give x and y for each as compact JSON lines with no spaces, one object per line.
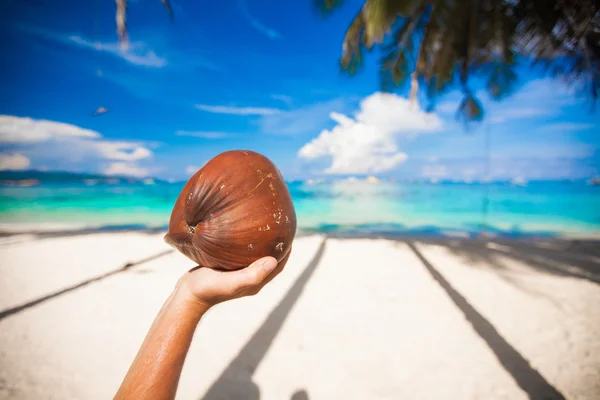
{"x":253,"y":275}
{"x":277,"y":270}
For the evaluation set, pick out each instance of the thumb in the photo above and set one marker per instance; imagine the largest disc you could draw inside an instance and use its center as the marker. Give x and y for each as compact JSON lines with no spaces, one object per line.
{"x":252,"y":275}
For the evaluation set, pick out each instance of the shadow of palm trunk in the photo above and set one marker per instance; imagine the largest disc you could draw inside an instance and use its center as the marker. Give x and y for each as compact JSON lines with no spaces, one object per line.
{"x":50,"y":296}
{"x":527,"y":377}
{"x":235,"y":381}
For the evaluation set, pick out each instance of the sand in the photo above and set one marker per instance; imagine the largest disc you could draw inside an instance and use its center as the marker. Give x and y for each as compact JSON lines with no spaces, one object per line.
{"x":347,"y":319}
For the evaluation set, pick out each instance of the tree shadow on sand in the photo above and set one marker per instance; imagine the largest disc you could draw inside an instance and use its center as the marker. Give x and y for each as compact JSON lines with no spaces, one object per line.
{"x":235,"y":382}
{"x":578,"y":259}
{"x":53,"y":295}
{"x":524,"y":375}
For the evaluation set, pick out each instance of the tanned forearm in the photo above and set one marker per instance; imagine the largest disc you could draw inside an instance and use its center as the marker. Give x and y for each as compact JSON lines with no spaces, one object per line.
{"x":157,"y":367}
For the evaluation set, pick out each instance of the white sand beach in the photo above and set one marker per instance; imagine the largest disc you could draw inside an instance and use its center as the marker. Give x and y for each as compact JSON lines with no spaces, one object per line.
{"x":347,"y":319}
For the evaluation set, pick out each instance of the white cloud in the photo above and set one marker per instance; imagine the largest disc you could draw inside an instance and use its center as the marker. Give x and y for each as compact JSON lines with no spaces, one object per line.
{"x":123,"y":151}
{"x":270,"y":33}
{"x":26,"y":130}
{"x":568,"y":126}
{"x":307,"y":119}
{"x":534,"y":99}
{"x":546,"y":92}
{"x":234,"y":110}
{"x":518,"y":113}
{"x":498,"y":172}
{"x":202,"y":134}
{"x":191,"y":169}
{"x":13,"y":161}
{"x":286,"y":99}
{"x":126,"y":169}
{"x":469,"y":172}
{"x":276,"y":121}
{"x":66,"y":146}
{"x":136,"y":53}
{"x":434,"y":171}
{"x":367,"y":143}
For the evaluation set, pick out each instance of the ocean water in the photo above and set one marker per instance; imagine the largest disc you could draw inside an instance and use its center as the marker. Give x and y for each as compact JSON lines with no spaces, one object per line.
{"x":345,"y":207}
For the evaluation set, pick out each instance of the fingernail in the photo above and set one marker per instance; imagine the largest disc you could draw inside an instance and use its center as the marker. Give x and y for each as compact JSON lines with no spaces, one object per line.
{"x":269,"y":263}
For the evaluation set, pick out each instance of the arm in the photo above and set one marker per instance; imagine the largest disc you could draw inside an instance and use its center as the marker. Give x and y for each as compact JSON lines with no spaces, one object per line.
{"x":155,"y":371}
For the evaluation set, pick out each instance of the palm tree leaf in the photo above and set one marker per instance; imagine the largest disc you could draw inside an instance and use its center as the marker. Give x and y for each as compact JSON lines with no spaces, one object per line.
{"x":353,"y":42}
{"x":470,"y":109}
{"x":168,"y":9}
{"x":447,"y":42}
{"x":395,"y":64}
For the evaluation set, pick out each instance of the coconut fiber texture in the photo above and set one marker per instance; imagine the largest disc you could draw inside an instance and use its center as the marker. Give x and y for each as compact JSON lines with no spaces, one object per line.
{"x":233,"y":211}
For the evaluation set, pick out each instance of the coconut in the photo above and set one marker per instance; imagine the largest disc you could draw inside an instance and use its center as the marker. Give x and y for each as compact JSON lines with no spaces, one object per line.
{"x":236,"y":209}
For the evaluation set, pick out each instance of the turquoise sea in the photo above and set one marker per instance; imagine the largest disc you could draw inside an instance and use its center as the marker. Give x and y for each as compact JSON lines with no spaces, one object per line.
{"x":343,"y":207}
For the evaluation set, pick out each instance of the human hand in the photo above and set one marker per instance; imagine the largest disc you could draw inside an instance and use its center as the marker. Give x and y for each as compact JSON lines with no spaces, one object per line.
{"x":208,"y":287}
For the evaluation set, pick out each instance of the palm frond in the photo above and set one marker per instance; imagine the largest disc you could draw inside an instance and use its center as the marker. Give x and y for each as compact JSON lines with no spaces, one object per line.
{"x":454,"y":41}
{"x":470,"y":109}
{"x":121,"y":19}
{"x":168,"y":9}
{"x":327,"y":6}
{"x":443,"y":44}
{"x":353,"y":41}
{"x":395,"y":68}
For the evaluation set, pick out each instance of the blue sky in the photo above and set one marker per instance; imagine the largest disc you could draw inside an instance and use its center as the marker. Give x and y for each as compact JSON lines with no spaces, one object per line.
{"x":260,"y":75}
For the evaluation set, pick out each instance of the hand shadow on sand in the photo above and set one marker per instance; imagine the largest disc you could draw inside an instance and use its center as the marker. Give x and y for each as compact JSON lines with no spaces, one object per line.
{"x":235,"y":382}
